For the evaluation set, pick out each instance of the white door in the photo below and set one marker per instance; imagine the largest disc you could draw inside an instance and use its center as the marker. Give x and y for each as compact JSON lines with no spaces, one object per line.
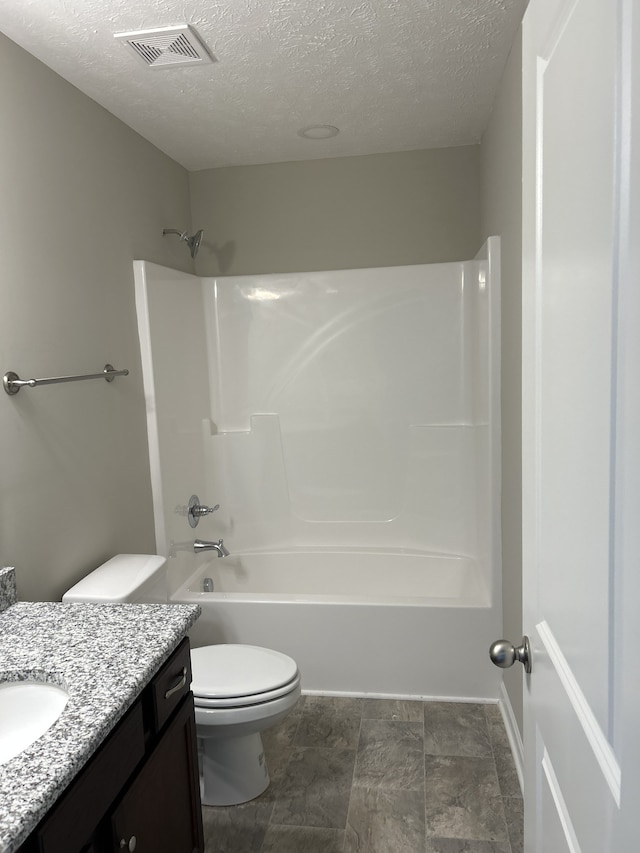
{"x":581,"y":426}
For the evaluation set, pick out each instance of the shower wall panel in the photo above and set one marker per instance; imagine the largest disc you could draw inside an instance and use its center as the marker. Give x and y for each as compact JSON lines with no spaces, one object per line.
{"x":342,"y":409}
{"x":173,"y":343}
{"x":345,"y":406}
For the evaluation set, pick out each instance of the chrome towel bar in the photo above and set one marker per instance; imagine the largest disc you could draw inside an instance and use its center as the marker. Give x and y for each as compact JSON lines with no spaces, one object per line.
{"x":12,"y":382}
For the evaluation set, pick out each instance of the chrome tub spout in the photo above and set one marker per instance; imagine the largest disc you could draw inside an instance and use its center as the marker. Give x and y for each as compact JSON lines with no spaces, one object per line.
{"x":203,"y":545}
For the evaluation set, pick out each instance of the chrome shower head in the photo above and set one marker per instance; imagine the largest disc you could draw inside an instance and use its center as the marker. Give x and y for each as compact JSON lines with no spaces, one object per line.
{"x":192,"y":242}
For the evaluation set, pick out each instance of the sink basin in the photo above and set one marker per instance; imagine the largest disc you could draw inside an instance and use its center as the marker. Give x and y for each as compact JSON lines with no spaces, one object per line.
{"x":27,"y":710}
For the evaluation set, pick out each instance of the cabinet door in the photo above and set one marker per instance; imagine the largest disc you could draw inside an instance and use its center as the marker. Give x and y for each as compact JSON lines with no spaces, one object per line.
{"x":161,"y":807}
{"x":72,"y":821}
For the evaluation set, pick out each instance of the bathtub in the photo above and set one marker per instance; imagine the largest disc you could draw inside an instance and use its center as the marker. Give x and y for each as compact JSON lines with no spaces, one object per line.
{"x":398,"y":623}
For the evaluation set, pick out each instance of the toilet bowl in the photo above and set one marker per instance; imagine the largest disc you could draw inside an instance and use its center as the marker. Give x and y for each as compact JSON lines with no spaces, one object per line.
{"x":238,"y":690}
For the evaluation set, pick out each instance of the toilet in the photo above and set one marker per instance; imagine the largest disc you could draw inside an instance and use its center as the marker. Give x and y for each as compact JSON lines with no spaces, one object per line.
{"x":238,"y":690}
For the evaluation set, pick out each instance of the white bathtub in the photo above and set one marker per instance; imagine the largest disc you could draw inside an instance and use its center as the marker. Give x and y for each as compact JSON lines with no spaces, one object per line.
{"x":399,"y":624}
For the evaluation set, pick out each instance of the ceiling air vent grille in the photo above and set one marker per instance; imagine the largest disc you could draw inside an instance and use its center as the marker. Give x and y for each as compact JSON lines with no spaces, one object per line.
{"x":167,"y":46}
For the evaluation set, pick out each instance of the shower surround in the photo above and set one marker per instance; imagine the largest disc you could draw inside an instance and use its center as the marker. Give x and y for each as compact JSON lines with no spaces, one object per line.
{"x":347,"y":422}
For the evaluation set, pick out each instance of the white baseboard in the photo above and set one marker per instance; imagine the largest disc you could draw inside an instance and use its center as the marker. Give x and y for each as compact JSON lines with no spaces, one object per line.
{"x":513,"y":733}
{"x":412,"y":697}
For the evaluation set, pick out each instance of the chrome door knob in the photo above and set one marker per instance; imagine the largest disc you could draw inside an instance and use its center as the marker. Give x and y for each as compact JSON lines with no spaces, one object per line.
{"x":504,"y":654}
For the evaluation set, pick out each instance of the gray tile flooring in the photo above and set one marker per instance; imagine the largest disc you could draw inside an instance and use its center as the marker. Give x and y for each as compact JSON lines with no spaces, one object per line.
{"x":380,"y":776}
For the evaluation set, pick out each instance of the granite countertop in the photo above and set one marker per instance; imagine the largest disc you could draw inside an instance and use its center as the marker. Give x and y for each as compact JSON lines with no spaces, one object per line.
{"x":103,"y":655}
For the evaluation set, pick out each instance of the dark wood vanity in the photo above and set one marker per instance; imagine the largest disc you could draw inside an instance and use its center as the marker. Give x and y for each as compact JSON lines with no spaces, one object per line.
{"x":140,"y":790}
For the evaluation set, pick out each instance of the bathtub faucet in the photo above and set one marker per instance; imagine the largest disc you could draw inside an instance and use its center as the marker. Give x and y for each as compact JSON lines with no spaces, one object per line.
{"x":203,"y":545}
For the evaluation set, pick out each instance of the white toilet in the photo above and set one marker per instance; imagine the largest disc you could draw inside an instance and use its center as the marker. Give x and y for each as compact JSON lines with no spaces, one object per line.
{"x":238,"y":690}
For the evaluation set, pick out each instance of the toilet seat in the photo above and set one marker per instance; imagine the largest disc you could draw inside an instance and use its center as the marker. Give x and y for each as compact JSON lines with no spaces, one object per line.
{"x":235,"y":675}
{"x":242,"y":701}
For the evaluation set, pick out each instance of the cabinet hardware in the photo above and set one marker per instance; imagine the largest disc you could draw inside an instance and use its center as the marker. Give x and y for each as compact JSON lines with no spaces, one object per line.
{"x":182,"y":680}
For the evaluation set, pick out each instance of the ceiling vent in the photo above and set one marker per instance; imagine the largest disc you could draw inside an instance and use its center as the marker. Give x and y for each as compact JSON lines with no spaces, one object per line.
{"x":167,"y":46}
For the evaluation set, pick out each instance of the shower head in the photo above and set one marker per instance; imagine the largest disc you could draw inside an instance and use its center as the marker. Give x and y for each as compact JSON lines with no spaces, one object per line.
{"x":192,"y":242}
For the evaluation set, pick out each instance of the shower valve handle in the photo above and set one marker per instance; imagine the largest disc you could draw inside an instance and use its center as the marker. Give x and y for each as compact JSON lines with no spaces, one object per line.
{"x":205,"y":510}
{"x":197,"y":510}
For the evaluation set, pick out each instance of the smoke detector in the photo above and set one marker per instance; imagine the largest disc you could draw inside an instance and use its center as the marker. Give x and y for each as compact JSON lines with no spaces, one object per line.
{"x":166,"y":47}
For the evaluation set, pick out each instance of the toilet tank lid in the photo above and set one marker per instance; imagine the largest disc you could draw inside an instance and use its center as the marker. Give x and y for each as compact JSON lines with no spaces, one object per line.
{"x":119,"y":579}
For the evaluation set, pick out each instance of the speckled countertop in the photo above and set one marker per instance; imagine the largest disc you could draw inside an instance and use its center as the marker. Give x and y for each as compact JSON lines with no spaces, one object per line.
{"x":103,"y":655}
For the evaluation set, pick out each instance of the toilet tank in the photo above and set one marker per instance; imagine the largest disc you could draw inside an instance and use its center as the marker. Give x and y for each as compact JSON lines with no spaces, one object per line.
{"x":126,"y":578}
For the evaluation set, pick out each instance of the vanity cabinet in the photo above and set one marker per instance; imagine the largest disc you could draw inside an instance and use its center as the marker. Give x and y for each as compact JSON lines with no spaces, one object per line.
{"x":140,"y":791}
{"x":157,"y":809}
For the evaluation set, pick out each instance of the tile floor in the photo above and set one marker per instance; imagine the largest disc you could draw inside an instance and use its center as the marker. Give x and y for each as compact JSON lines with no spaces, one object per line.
{"x":380,"y":776}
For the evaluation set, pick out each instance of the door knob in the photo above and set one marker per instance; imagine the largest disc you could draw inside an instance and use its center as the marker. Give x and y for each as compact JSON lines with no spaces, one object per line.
{"x":505,"y":654}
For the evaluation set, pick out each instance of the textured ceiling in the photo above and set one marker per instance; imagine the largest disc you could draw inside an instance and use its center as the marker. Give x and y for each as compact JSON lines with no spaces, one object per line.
{"x":393,"y":75}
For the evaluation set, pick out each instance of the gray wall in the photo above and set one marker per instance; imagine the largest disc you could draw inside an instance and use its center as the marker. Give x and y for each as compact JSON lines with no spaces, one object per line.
{"x":501,"y":159}
{"x":82,"y":196}
{"x":377,"y":210}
